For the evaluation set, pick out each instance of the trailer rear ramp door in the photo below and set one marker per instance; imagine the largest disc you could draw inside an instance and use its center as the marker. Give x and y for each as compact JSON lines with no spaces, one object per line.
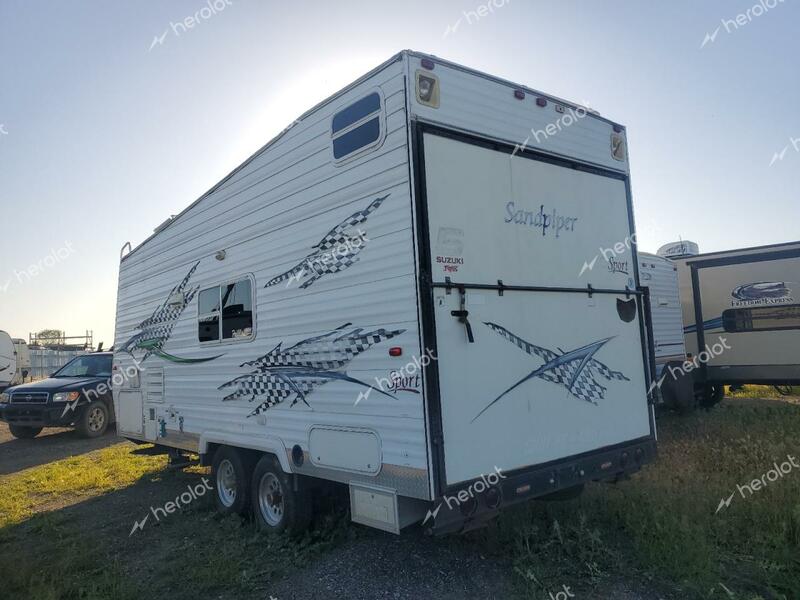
{"x":539,"y":371}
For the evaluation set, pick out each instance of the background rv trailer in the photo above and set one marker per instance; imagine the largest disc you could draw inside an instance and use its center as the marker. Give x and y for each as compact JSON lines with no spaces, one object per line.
{"x":389,"y":296}
{"x":8,"y":361}
{"x":660,"y":275}
{"x":750,"y":300}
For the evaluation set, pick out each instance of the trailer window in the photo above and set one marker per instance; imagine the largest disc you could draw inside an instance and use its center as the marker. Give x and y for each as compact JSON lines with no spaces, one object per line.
{"x":358,"y":127}
{"x":762,"y":318}
{"x":225,"y":312}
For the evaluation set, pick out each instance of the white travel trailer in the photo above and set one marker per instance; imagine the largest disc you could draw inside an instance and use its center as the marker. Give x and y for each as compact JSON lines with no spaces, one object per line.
{"x":23,"y":361}
{"x":389,"y":296}
{"x":660,"y":276}
{"x":8,"y":361}
{"x":747,"y":303}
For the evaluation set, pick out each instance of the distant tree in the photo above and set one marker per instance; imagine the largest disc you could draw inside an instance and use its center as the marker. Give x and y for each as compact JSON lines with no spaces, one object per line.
{"x":50,"y":337}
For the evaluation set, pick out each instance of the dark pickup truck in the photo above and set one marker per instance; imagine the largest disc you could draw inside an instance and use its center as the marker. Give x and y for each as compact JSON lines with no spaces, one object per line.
{"x":77,"y":395}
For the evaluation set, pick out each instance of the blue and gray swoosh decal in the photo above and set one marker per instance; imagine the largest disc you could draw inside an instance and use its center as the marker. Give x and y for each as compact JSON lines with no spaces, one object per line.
{"x":707,"y":325}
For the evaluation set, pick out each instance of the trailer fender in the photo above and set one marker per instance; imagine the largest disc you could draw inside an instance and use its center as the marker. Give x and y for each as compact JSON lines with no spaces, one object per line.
{"x":270,"y":444}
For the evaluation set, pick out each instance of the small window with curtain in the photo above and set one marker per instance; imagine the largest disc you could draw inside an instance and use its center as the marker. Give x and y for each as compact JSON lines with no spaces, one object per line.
{"x":761,"y":318}
{"x":225,"y":312}
{"x":358,"y":127}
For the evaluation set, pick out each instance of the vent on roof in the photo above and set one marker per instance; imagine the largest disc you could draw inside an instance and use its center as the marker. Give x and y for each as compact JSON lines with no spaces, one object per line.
{"x":164,"y":224}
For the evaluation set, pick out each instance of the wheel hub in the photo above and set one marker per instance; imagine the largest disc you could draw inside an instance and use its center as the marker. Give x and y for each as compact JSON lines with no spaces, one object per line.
{"x":226,"y":483}
{"x":271,"y":499}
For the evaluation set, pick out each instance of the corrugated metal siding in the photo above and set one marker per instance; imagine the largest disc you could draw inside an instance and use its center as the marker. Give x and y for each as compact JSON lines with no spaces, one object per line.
{"x":267,"y":216}
{"x":660,"y":275}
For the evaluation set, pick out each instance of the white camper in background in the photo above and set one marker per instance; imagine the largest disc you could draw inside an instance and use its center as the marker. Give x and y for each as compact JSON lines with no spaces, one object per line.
{"x":388,"y":296}
{"x":8,"y":361}
{"x":742,"y":314}
{"x":660,"y":275}
{"x":23,"y":361}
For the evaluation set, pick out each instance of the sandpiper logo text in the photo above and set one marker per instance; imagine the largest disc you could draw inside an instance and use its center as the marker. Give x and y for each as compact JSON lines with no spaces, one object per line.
{"x":541,"y":220}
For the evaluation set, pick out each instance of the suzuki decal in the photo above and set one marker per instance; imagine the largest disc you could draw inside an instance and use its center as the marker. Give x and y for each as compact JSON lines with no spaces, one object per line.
{"x":575,"y":370}
{"x":297,"y":370}
{"x":157,"y":329}
{"x":335,"y":252}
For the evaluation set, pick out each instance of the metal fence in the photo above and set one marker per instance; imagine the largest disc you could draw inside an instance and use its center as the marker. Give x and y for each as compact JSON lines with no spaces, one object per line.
{"x":45,"y":361}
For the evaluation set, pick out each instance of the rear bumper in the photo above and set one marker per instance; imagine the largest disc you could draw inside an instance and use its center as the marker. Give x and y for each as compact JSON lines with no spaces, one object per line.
{"x":38,"y":415}
{"x":472,"y":503}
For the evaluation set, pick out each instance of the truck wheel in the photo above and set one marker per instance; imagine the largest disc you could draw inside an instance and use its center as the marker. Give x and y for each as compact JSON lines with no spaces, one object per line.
{"x":24,"y":433}
{"x":231,"y":473}
{"x":711,"y":394}
{"x":277,"y":506}
{"x":93,"y":422}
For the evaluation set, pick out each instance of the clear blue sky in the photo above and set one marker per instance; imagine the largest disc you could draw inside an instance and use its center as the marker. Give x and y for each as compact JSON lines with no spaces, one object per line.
{"x":102,"y":137}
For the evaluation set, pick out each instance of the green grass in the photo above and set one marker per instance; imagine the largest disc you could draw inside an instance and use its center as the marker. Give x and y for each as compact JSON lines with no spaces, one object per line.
{"x":760,"y":391}
{"x":65,"y":527}
{"x":70,"y":480}
{"x":65,"y":533}
{"x":663,"y":521}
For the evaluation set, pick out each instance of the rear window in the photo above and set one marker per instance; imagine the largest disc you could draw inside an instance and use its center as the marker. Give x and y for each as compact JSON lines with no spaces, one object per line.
{"x":88,"y":365}
{"x":762,"y":318}
{"x":358,"y":127}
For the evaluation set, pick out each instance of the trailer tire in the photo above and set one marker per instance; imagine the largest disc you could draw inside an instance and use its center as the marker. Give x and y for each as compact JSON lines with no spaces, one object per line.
{"x":277,"y":506}
{"x":711,"y":394}
{"x":678,"y":392}
{"x":24,"y":433}
{"x":231,"y":471}
{"x":93,"y":420}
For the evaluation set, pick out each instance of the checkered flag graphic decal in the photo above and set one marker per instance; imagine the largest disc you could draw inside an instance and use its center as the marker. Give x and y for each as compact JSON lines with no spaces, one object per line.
{"x":156,"y":330}
{"x":335,"y":252}
{"x":296,"y":371}
{"x":575,"y":370}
